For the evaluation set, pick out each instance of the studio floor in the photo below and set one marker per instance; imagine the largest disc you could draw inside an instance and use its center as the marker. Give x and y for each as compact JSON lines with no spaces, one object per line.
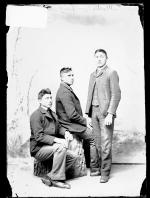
{"x":125,"y":180}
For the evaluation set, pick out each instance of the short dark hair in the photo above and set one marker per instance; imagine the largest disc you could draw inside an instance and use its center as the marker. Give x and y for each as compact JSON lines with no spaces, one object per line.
{"x":100,"y":50}
{"x":43,"y":92}
{"x":65,"y":70}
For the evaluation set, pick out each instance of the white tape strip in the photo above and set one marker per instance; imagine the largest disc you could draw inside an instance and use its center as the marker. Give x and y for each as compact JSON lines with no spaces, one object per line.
{"x":26,"y":16}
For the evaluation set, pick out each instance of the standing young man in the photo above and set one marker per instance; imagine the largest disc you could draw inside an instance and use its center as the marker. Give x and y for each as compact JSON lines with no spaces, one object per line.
{"x":69,"y":112}
{"x":103,"y":98}
{"x":49,"y":140}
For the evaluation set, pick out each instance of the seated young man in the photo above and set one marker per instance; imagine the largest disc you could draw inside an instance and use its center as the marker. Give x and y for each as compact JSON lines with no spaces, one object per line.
{"x":69,"y":112}
{"x":50,"y":141}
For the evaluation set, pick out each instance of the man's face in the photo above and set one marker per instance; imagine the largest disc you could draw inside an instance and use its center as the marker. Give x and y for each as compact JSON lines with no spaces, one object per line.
{"x":46,"y":101}
{"x":101,"y":59}
{"x":68,"y":78}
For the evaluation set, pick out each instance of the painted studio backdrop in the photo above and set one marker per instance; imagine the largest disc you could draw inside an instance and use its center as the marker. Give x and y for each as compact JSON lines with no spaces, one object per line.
{"x":36,"y":55}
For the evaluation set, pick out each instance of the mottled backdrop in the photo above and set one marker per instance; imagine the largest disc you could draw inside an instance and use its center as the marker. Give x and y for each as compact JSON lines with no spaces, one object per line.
{"x":73,"y":33}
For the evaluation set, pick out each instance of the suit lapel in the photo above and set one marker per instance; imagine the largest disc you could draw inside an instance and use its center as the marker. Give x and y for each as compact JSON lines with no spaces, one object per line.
{"x":54,"y":116}
{"x":93,"y":81}
{"x":70,"y":89}
{"x":45,"y":113}
{"x":74,"y":95}
{"x":101,"y":72}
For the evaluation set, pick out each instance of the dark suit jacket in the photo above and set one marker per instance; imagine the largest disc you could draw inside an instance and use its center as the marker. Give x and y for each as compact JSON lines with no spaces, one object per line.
{"x":68,"y":109}
{"x":109,"y":93}
{"x":44,"y":128}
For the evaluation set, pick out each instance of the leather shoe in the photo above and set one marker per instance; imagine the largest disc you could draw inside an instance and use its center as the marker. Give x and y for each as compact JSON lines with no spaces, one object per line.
{"x":67,"y":185}
{"x":46,"y":180}
{"x":104,"y":179}
{"x":96,"y":173}
{"x":60,"y":184}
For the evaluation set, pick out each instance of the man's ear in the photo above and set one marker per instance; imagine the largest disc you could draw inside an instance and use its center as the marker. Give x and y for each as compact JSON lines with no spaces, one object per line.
{"x":39,"y":100}
{"x":61,"y":78}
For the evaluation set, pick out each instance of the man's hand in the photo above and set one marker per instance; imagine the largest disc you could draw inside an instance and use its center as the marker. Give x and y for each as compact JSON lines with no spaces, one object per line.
{"x":108,"y":119}
{"x":61,"y":141}
{"x":68,"y":136}
{"x":88,"y":120}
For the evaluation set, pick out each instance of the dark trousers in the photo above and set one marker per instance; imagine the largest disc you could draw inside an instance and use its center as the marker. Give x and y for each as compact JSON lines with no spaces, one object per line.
{"x":88,"y":136}
{"x":62,"y":160}
{"x":103,"y":137}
